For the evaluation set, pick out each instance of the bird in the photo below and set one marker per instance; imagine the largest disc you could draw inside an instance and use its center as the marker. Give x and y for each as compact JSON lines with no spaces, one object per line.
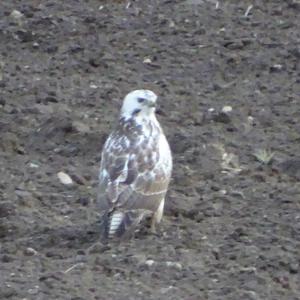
{"x":135,"y":169}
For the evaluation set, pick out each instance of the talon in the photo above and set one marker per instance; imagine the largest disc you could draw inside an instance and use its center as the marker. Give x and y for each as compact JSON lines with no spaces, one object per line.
{"x":153,"y":228}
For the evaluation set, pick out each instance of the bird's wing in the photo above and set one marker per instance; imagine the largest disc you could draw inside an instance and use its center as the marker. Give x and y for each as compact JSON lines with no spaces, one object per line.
{"x":130,"y":177}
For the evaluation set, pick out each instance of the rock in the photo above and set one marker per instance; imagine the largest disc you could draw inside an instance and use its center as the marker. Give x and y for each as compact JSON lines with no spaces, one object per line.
{"x":175,"y":265}
{"x":30,"y":252}
{"x":78,"y":179}
{"x":147,"y":60}
{"x":294,"y":267}
{"x":17,"y":15}
{"x":226,"y":109}
{"x":34,"y":290}
{"x":149,"y":262}
{"x":276,"y":68}
{"x":64,"y":178}
{"x":34,"y":165}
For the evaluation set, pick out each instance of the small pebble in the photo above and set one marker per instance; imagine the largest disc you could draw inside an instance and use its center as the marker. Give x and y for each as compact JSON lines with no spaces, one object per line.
{"x":277,"y":67}
{"x":79,"y":179}
{"x":34,"y":165}
{"x":149,"y":262}
{"x":166,"y":289}
{"x":223,"y":192}
{"x":294,"y":268}
{"x":226,"y":109}
{"x":30,"y":252}
{"x":173,"y":264}
{"x":15,"y":14}
{"x":250,"y":120}
{"x":34,"y":290}
{"x":147,"y":60}
{"x":64,"y":178}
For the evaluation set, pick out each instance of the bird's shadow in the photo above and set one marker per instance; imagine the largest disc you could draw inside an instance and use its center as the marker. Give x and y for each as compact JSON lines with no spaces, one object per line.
{"x":71,"y":236}
{"x":78,"y":237}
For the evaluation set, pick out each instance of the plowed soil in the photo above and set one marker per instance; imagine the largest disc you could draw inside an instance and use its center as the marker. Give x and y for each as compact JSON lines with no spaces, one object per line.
{"x":227,"y":76}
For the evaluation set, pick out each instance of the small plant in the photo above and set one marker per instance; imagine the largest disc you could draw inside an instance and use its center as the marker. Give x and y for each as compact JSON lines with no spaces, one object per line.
{"x":264,"y":156}
{"x":230,"y":161}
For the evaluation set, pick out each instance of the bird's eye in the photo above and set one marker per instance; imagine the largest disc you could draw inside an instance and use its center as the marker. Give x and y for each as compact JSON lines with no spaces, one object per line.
{"x":141,"y":100}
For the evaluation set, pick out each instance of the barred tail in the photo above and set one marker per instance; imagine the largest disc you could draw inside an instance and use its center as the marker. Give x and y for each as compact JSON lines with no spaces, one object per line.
{"x":120,"y":223}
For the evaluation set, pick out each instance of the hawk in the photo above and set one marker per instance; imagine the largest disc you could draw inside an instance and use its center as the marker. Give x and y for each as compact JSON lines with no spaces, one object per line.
{"x":136,"y":166}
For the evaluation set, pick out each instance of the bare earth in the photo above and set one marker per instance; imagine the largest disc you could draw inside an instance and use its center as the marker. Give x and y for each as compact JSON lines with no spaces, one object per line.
{"x":232,"y":224}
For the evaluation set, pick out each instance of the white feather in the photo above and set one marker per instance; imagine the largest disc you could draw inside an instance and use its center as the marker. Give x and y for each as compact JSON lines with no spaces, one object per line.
{"x":165,"y":156}
{"x":103,"y":174}
{"x":115,"y":222}
{"x":130,"y":104}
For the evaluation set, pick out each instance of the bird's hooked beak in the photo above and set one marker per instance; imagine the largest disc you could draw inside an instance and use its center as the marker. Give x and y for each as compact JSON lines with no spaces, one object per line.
{"x":151,"y":103}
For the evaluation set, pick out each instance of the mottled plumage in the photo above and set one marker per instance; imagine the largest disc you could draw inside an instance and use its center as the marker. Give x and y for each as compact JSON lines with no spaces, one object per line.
{"x":136,"y":167}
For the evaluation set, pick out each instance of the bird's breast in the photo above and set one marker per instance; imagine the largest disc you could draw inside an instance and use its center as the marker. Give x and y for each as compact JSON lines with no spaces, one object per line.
{"x":165,"y":156}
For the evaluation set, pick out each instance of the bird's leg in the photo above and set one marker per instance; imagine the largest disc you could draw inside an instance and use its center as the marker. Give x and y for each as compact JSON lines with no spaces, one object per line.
{"x":157,"y":216}
{"x":153,"y":225}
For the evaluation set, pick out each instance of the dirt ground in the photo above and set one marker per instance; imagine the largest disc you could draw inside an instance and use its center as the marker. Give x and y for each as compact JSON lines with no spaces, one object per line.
{"x":232,"y":223}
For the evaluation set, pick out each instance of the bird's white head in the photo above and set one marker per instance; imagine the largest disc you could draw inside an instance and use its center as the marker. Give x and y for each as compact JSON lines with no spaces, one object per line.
{"x":139,"y":103}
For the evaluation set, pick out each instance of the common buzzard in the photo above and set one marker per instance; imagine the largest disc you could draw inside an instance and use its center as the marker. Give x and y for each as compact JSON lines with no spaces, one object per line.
{"x":136,"y":166}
